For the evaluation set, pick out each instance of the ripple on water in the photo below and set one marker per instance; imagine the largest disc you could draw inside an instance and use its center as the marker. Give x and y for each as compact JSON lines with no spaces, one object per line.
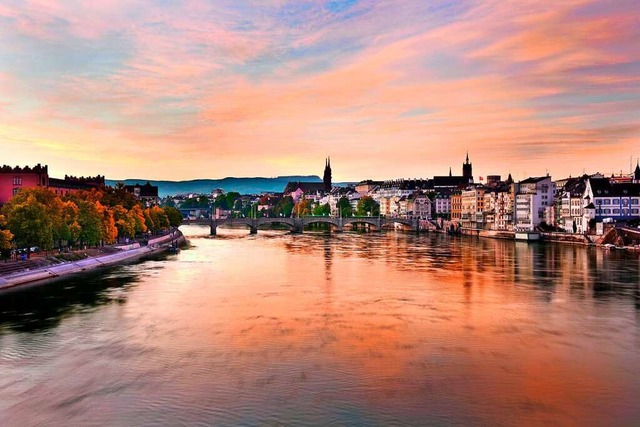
{"x":318,"y":329}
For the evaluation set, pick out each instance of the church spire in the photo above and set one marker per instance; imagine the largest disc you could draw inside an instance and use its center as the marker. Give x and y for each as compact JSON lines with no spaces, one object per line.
{"x":326,"y":178}
{"x":467,"y":170}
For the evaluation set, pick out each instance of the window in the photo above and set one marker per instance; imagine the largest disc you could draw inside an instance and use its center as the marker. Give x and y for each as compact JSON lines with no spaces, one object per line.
{"x":616,"y":211}
{"x":607,"y":202}
{"x":17,"y":180}
{"x":15,"y":191}
{"x":634,"y":211}
{"x":634,"y":201}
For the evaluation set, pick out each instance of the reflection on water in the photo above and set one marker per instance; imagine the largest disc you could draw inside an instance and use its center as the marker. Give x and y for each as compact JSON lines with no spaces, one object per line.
{"x":378,"y":328}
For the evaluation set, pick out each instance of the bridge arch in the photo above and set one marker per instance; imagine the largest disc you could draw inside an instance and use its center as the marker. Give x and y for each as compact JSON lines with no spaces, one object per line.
{"x":333,"y":222}
{"x":231,"y":222}
{"x":276,"y":221}
{"x":373,"y":222}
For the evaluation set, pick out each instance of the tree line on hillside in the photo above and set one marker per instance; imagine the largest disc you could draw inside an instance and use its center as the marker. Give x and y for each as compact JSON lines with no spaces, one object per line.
{"x":38,"y":217}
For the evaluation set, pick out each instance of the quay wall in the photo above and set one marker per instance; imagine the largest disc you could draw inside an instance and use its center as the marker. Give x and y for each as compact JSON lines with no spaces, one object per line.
{"x":75,"y":267}
{"x":576,"y":239}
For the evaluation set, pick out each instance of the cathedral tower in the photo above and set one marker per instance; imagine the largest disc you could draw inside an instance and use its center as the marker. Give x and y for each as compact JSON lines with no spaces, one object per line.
{"x":326,"y":178}
{"x":467,"y":170}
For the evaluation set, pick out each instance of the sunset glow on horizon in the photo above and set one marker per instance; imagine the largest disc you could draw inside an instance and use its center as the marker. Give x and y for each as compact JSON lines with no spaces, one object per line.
{"x":208,"y":89}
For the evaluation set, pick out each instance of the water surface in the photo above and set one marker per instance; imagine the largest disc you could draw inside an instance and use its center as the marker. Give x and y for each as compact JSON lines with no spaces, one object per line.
{"x":319,"y":329}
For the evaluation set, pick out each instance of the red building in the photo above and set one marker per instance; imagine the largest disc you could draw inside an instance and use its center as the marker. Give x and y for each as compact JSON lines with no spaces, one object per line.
{"x":13,"y":180}
{"x":71,"y":184}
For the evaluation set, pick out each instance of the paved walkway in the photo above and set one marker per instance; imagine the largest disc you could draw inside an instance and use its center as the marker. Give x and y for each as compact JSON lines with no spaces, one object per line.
{"x":13,"y":273}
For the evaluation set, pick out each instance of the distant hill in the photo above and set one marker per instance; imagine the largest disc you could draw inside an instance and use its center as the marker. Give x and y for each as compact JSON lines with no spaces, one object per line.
{"x":241,"y":185}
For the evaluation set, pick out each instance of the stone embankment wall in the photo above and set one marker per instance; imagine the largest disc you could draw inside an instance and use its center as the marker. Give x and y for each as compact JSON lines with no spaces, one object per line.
{"x":498,"y":234}
{"x":579,"y":239}
{"x":74,"y":267}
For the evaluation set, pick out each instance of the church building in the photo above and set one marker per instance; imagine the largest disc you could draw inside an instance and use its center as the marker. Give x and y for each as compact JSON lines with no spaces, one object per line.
{"x":311,"y":190}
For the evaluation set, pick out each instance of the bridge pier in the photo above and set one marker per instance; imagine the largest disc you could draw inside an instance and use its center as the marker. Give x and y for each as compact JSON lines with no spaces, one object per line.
{"x":253,"y":230}
{"x":214,"y":230}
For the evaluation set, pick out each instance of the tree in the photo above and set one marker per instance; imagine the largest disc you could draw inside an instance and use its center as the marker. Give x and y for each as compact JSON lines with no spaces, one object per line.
{"x":284,"y":207}
{"x":156,"y":219}
{"x":174,"y":216}
{"x":67,"y":227}
{"x":5,"y":237}
{"x":322,"y":210}
{"x":136,"y":214}
{"x":200,"y":202}
{"x":303,"y":207}
{"x":109,"y":229}
{"x":148,"y":221}
{"x":368,"y":207}
{"x":169,"y":203}
{"x":124,"y":222}
{"x":231,"y":198}
{"x":118,"y":195}
{"x":344,"y":207}
{"x":90,"y":218}
{"x":29,"y":218}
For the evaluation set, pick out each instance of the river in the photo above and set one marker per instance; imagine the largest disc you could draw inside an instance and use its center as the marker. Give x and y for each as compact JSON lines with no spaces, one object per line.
{"x":342,"y":329}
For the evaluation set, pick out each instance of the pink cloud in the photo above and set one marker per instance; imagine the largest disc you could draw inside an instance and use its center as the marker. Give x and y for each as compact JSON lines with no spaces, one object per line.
{"x":486,"y":80}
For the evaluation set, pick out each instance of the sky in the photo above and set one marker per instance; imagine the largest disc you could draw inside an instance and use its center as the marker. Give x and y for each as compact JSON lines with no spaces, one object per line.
{"x":192,"y":89}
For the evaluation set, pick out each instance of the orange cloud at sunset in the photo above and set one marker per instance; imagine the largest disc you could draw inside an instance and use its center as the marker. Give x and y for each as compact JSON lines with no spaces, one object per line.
{"x":195,"y":90}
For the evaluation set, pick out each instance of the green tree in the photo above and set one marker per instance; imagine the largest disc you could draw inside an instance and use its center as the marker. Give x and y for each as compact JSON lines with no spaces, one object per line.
{"x":31,"y":217}
{"x":67,"y":227}
{"x":322,"y":210}
{"x":174,"y":216}
{"x":231,"y":198}
{"x":90,"y":220}
{"x":200,"y":202}
{"x":344,"y":207}
{"x":367,"y":207}
{"x":169,"y":203}
{"x":118,"y":195}
{"x":284,"y":207}
{"x":157,"y":220}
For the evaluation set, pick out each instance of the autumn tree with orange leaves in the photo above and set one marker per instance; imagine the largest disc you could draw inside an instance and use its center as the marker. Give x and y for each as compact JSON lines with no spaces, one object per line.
{"x":39,"y":217}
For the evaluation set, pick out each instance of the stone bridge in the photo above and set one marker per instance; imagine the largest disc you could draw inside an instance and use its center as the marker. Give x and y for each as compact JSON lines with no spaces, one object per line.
{"x":297,"y":225}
